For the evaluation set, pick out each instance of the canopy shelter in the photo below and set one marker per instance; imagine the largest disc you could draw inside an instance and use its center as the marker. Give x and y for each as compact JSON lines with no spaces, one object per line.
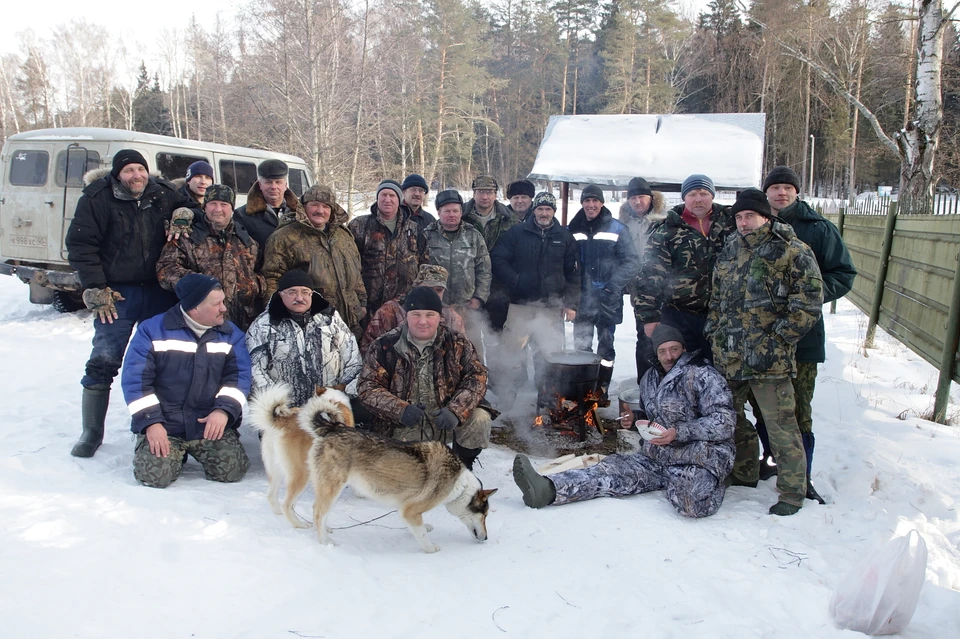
{"x":609,"y":150}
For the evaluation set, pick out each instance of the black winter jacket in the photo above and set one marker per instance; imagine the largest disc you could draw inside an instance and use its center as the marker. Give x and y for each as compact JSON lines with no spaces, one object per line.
{"x":609,"y":264}
{"x":538,"y":265}
{"x":116,"y":239}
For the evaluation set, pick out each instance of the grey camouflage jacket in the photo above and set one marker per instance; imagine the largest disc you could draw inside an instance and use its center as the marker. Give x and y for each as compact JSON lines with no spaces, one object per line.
{"x":464,"y":254}
{"x":695,"y":399}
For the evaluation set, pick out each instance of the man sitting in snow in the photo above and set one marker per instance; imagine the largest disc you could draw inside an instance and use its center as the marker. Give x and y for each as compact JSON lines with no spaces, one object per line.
{"x":689,"y":461}
{"x":185,"y":379}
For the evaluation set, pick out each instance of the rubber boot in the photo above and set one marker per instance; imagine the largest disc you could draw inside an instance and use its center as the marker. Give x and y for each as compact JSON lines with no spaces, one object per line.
{"x":538,"y":491}
{"x":466,"y":455}
{"x":783,"y":509}
{"x":768,"y":465}
{"x":93,"y":412}
{"x":603,"y":385}
{"x":809,"y":442}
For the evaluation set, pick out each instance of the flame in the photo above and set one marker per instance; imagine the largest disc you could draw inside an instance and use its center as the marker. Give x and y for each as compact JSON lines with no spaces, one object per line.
{"x":538,"y":422}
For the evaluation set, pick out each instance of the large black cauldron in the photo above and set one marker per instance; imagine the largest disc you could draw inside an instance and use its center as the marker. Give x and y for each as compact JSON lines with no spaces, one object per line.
{"x":571,"y":375}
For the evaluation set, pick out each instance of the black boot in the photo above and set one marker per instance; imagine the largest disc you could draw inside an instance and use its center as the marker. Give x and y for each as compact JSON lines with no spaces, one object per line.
{"x":93,"y":412}
{"x":466,"y":455}
{"x":809,"y":443}
{"x":603,"y":385}
{"x":768,"y":468}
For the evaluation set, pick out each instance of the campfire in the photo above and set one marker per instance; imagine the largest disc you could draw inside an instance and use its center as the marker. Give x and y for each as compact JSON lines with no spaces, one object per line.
{"x":567,"y":394}
{"x":571,"y":417}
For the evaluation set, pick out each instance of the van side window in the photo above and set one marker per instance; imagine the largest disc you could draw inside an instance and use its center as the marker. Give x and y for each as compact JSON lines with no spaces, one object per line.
{"x":297,"y":181}
{"x":29,"y":168}
{"x":173,"y":166}
{"x":239,"y":176}
{"x":81,"y":161}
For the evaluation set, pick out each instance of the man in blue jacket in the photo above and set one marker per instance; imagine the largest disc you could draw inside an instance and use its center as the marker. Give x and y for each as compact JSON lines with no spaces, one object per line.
{"x":185,"y":379}
{"x":610,"y":263}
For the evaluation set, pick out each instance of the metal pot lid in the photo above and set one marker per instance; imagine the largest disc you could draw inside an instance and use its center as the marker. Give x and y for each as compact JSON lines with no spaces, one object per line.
{"x":573,"y":358}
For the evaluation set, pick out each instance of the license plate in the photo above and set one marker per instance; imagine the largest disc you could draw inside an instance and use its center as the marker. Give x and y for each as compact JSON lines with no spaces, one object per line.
{"x":26,"y":240}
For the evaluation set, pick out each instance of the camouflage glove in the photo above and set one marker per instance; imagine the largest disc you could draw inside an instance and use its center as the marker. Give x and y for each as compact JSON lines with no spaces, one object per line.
{"x":444,"y":419}
{"x":102,"y":301}
{"x":180,"y":223}
{"x":412,"y":415}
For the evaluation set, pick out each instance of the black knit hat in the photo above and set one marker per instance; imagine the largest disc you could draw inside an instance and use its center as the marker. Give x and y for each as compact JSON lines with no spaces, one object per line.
{"x":664,"y":333}
{"x":414,"y":180}
{"x":592,"y":191}
{"x":124,"y":157}
{"x":638,"y":186}
{"x":193,"y":288}
{"x":422,"y":298}
{"x":219,"y":193}
{"x":781,"y":175}
{"x":273,"y":169}
{"x":752,"y":200}
{"x":447,"y":197}
{"x":295,"y":277}
{"x":521,"y":187}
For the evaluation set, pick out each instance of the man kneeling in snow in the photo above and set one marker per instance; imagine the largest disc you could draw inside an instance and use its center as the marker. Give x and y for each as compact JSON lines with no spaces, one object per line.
{"x":690,"y":460}
{"x":185,"y":378}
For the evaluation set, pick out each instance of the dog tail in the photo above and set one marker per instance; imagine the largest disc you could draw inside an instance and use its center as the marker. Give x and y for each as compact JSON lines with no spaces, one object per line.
{"x":270,"y":403}
{"x":326,"y":412}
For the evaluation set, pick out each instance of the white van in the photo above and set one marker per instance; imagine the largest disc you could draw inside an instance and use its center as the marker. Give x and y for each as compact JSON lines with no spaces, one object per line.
{"x":42,"y":179}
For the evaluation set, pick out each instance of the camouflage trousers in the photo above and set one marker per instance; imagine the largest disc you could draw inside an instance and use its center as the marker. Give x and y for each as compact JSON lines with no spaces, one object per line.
{"x":223,"y":459}
{"x":693,"y":491}
{"x":473,"y":433}
{"x":778,"y":407}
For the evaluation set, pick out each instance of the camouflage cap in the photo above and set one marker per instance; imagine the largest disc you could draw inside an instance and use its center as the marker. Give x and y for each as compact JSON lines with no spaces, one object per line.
{"x":319,"y":193}
{"x":220,"y":193}
{"x":431,"y":275}
{"x":484,"y":182}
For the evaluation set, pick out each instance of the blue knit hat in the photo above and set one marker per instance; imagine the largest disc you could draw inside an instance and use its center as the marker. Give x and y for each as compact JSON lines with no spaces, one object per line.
{"x":697,"y":181}
{"x":193,"y":288}
{"x":415,"y":179}
{"x":199,"y":168}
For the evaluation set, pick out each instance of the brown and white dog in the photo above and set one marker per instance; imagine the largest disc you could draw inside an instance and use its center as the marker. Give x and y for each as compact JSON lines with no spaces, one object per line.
{"x":411,"y":477}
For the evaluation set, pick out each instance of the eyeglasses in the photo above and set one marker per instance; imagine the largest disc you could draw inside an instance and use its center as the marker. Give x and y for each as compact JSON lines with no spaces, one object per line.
{"x":297,"y":293}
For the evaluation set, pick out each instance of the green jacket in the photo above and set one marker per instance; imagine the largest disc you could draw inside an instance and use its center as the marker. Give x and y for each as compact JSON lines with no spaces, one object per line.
{"x":464,"y":254}
{"x":767,"y":294}
{"x":501,"y":222}
{"x":678,"y":263}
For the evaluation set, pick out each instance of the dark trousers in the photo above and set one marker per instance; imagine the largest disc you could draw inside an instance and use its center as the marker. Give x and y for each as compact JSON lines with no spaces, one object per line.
{"x":691,"y":327}
{"x":140,"y":302}
{"x":583,"y":338}
{"x":645,"y":353}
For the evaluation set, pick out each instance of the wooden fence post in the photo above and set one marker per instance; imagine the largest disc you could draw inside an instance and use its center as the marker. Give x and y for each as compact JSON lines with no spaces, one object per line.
{"x":881,"y":273}
{"x":948,"y":357}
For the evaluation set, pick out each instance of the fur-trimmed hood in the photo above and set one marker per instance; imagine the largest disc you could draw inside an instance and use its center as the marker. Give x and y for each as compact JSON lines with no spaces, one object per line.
{"x":256,"y":204}
{"x":93,"y":175}
{"x":657,"y":213}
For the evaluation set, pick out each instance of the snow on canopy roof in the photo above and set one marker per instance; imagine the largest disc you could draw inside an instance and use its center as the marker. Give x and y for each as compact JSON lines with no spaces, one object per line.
{"x":609,"y":150}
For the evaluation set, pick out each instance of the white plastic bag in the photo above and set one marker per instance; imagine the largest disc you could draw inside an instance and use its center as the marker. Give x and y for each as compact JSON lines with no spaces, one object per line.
{"x":879,"y":596}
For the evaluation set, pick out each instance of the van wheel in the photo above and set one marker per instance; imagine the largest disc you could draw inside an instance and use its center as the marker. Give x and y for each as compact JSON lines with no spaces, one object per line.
{"x":67,"y":302}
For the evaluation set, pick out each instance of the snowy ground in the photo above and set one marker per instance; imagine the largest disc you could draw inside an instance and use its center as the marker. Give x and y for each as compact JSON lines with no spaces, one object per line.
{"x":86,"y":552}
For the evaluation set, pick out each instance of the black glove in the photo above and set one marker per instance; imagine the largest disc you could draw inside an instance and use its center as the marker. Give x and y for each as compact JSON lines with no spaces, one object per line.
{"x":444,"y":419}
{"x":412,"y":415}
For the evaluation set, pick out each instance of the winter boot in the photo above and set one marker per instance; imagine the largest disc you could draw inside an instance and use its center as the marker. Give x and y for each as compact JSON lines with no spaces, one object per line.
{"x":466,"y":455}
{"x":739,"y":482}
{"x":603,"y":385}
{"x":783,"y":509}
{"x":538,"y":491}
{"x":768,"y":468}
{"x":93,"y":412}
{"x":809,"y":442}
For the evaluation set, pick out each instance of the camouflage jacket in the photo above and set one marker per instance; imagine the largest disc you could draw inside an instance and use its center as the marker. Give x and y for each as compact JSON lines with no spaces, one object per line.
{"x":496,"y":227}
{"x":464,"y":254}
{"x":767,"y":293}
{"x":678,"y":264}
{"x":388,"y":261}
{"x":229,"y":255}
{"x":695,"y":399}
{"x":386,"y":382}
{"x":331,"y":258}
{"x":391,"y":315}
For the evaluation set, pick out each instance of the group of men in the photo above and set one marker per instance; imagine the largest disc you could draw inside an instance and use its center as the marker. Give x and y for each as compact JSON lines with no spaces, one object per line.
{"x":728,"y":301}
{"x":408,"y":313}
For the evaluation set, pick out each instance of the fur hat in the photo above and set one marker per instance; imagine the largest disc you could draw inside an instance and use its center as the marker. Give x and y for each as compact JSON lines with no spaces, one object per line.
{"x":414,"y":179}
{"x":521,"y":187}
{"x":124,"y":157}
{"x":664,"y":333}
{"x":781,"y":175}
{"x":294,"y":277}
{"x":200,"y":167}
{"x":431,"y":275}
{"x":484,"y":182}
{"x":393,"y":185}
{"x":319,"y":193}
{"x":752,"y":200}
{"x":697,"y":181}
{"x":593,"y":191}
{"x":638,"y":186}
{"x":543,"y":198}
{"x":273,"y":169}
{"x":193,"y":288}
{"x":422,"y":298}
{"x":219,"y":193}
{"x":447,"y":197}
